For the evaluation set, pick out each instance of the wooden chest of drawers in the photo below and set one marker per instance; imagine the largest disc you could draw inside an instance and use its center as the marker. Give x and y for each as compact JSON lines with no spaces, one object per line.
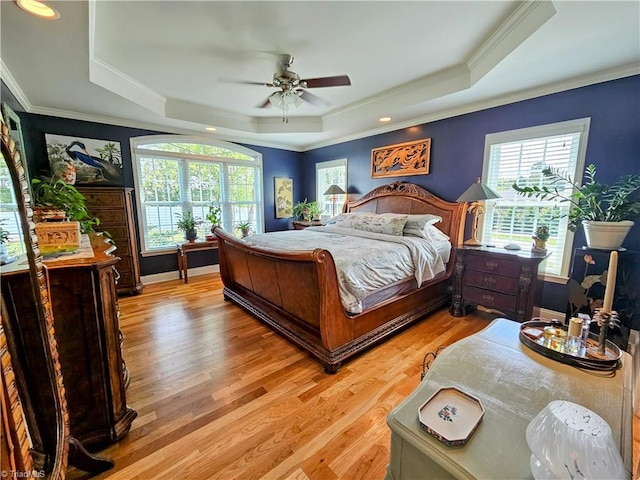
{"x":499,"y":279}
{"x":114,"y":207}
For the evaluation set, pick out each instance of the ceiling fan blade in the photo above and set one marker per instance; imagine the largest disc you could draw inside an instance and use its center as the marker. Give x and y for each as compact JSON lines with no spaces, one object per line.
{"x":265,"y":104}
{"x":314,"y":99}
{"x":337,"y":81}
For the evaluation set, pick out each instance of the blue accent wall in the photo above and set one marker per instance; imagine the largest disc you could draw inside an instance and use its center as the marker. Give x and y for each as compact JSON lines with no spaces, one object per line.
{"x":457,"y":147}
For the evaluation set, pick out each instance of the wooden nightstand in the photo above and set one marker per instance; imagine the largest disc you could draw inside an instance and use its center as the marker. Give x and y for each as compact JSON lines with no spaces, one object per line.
{"x":503,"y":280}
{"x":301,"y":225}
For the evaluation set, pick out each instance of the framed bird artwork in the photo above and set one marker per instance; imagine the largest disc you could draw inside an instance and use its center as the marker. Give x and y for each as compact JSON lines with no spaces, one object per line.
{"x":85,"y":161}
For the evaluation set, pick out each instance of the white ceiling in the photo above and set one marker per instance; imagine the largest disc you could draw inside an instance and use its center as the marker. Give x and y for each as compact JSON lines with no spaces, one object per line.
{"x":171,"y":65}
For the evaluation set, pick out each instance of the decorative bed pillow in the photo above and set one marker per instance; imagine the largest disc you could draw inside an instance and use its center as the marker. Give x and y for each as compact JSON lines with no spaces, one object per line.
{"x":416,"y":223}
{"x":387,"y":223}
{"x":434,"y":234}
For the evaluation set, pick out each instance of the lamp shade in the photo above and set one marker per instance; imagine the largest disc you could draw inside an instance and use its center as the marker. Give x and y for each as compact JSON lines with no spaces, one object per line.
{"x":477,"y":191}
{"x":570,"y":441}
{"x":334,"y":190}
{"x":284,"y":100}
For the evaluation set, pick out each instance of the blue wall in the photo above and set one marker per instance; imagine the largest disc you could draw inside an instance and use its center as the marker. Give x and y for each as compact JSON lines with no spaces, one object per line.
{"x":276,"y":162}
{"x":457,"y":147}
{"x":456,"y":152}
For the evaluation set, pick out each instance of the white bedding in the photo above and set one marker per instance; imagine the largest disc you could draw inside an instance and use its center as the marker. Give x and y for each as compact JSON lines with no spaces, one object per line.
{"x":365,"y":261}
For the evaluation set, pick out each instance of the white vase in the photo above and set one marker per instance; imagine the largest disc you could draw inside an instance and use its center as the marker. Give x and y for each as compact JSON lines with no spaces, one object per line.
{"x":606,"y":235}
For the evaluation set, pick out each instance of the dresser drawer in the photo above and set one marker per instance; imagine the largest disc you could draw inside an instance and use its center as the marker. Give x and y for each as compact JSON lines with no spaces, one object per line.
{"x":109,"y":216}
{"x":103,"y":199}
{"x":490,"y":281}
{"x":499,"y":301}
{"x":494,"y":264}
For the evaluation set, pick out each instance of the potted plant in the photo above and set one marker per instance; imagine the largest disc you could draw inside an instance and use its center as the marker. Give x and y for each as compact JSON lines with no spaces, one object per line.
{"x":244,"y":228}
{"x":307,"y":210}
{"x":189,"y":225}
{"x":4,"y":238}
{"x":606,"y":211}
{"x":214,"y":216}
{"x":57,"y":200}
{"x":540,"y":239}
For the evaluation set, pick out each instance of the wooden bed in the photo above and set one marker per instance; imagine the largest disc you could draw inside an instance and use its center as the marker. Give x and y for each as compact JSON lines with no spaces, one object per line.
{"x":296,"y":293}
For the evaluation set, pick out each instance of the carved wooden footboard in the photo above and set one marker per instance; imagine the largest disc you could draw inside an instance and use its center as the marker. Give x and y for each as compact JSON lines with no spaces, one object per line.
{"x":296,"y":293}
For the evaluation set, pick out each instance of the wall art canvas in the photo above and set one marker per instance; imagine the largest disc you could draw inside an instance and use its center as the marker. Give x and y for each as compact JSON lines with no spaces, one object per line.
{"x":402,"y":159}
{"x":283,"y":188}
{"x":85,"y":161}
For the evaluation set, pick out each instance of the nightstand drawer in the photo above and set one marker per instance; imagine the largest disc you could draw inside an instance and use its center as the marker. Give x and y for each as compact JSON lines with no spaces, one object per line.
{"x":494,"y":264}
{"x":498,"y":283}
{"x":489,"y":299}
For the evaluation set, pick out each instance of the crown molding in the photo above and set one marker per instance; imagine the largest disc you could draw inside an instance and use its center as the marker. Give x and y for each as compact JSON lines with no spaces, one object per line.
{"x":13,"y":86}
{"x":578,"y":82}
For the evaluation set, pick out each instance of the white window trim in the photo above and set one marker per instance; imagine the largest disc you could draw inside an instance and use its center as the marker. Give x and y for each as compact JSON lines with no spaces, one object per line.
{"x":341,"y":162}
{"x":135,"y":141}
{"x":571,"y":126}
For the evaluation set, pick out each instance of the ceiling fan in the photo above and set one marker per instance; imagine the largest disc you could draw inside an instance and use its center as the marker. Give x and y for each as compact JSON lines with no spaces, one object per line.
{"x":293,"y":89}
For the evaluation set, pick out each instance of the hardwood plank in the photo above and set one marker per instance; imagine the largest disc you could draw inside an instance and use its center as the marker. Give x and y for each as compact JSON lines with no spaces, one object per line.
{"x":220,"y":395}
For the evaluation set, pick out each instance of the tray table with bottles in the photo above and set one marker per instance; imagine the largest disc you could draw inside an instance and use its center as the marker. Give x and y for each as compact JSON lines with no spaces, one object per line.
{"x":550,"y":340}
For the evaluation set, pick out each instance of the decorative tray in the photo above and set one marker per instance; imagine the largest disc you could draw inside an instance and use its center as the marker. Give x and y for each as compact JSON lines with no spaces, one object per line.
{"x":450,"y":415}
{"x":531,"y":336}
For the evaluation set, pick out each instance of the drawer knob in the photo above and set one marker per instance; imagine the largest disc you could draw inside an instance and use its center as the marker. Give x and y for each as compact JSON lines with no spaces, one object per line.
{"x":489,"y":281}
{"x":488,"y":298}
{"x":491,"y":264}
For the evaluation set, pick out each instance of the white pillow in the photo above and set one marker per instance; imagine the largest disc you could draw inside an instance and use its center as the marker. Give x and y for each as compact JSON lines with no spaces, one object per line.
{"x":434,"y":234}
{"x":387,"y":223}
{"x":416,"y":223}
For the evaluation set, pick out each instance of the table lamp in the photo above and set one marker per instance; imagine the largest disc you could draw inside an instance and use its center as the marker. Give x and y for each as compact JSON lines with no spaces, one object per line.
{"x":568,"y":440}
{"x":476,"y":193}
{"x":334,"y":190}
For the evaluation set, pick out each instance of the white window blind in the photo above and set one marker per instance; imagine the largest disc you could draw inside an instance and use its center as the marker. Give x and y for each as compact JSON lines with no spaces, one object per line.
{"x":329,"y":173}
{"x":519,"y":157}
{"x":181,"y":174}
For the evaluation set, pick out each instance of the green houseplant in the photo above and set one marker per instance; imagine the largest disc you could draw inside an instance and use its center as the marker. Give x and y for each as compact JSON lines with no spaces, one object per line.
{"x":214,"y":216}
{"x":596,"y":205}
{"x":189,"y":225}
{"x":244,"y":228}
{"x":306,"y":210}
{"x":55,"y":198}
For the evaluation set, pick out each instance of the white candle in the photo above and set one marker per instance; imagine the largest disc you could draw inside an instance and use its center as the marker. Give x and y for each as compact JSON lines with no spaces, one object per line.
{"x":610,"y":287}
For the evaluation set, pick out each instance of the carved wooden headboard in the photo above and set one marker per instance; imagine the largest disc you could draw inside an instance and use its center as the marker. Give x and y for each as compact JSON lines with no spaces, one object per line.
{"x":404,"y":197}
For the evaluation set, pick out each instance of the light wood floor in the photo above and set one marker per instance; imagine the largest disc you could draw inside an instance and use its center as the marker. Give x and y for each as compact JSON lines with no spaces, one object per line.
{"x":220,"y":396}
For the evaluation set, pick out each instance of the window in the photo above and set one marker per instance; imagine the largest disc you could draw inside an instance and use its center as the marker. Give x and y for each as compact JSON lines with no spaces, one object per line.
{"x":520,"y":156}
{"x":177,"y":174}
{"x":330,"y":173}
{"x":10,"y":222}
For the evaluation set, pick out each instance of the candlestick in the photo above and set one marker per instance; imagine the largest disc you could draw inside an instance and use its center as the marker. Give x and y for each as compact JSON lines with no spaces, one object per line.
{"x":610,"y":287}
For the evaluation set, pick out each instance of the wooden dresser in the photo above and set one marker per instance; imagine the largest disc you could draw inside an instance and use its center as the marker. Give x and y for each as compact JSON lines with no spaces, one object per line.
{"x":86,"y":315}
{"x":114,"y":207}
{"x":499,"y":279}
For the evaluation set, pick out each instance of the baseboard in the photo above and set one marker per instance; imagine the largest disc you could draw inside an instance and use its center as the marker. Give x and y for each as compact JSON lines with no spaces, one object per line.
{"x":548,"y":315}
{"x":167,"y":276}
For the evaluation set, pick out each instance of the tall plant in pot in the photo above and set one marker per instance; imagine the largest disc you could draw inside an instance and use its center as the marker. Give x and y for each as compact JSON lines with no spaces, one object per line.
{"x":606,"y":211}
{"x":189,"y":225}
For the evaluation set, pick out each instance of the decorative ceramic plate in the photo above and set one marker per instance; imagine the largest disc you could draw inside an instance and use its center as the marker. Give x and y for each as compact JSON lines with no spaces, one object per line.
{"x":450,"y":415}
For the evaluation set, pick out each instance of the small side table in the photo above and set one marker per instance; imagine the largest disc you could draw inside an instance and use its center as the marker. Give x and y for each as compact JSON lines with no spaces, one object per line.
{"x":504,"y":280}
{"x":187,"y":247}
{"x":302,"y":224}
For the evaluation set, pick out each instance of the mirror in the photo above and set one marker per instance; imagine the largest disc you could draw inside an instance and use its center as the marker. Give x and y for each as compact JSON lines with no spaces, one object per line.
{"x":49,"y":436}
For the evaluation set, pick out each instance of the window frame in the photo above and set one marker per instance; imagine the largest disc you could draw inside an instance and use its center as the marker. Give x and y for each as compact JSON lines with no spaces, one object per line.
{"x":580,"y":126}
{"x":341,"y":162}
{"x":137,"y":152}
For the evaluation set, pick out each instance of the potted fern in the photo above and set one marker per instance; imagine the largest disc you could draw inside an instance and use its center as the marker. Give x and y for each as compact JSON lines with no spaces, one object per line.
{"x":605,"y":211}
{"x":189,"y":225}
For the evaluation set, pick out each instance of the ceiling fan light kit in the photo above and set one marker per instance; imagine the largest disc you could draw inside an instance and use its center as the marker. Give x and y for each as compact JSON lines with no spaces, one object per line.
{"x":293,"y":91}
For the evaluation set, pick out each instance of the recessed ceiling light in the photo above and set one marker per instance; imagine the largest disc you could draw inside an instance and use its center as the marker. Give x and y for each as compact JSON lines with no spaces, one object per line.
{"x":384,"y":119}
{"x":38,"y":9}
{"x":210,"y":129}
